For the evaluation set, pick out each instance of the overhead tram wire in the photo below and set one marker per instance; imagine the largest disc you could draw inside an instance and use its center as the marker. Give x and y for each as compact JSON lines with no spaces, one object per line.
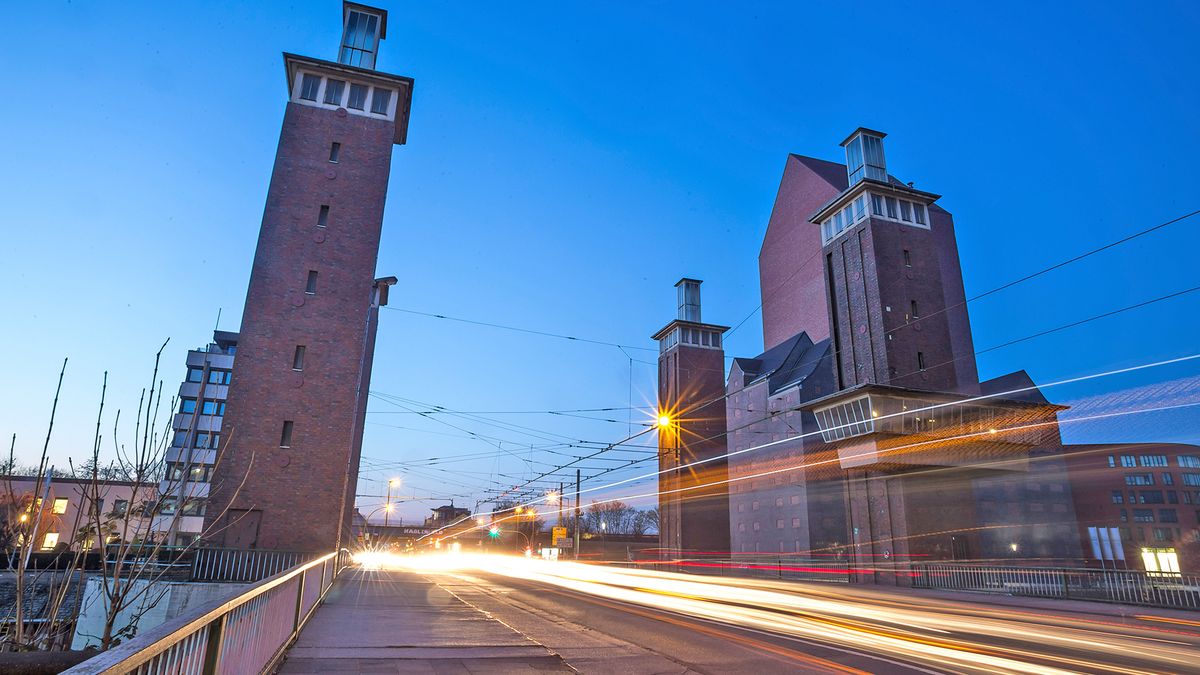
{"x":1005,"y":394}
{"x":1000,"y":395}
{"x":520,"y":330}
{"x":979,"y":296}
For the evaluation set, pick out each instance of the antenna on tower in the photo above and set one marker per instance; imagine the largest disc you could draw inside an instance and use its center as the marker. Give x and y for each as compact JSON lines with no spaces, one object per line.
{"x":217,"y":325}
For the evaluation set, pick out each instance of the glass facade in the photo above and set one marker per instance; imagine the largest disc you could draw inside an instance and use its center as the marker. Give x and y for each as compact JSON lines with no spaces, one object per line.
{"x":360,"y":39}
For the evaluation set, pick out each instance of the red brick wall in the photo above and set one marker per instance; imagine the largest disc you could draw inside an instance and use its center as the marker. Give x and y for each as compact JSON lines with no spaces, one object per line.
{"x":790,"y":267}
{"x":301,"y":489}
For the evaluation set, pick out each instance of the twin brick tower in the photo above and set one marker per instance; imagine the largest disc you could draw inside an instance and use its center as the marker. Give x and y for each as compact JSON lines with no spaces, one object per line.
{"x":297,"y":401}
{"x":861,"y":412}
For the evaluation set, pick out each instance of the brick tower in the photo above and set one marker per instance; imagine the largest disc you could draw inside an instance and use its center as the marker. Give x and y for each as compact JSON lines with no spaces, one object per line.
{"x":691,"y":397}
{"x":293,"y":423}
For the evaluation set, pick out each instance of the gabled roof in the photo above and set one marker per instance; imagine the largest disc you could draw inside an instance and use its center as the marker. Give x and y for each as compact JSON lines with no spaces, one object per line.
{"x":784,"y":365}
{"x":833,"y":173}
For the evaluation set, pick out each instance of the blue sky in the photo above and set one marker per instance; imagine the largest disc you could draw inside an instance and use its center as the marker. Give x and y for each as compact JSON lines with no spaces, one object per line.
{"x":566,"y":165}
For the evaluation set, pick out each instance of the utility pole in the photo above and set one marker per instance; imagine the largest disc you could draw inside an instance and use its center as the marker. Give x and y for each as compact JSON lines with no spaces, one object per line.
{"x":578,"y":481}
{"x":561,"y":499}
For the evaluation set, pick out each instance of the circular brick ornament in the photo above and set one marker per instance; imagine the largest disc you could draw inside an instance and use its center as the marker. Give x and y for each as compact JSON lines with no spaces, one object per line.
{"x":331,"y":174}
{"x":319,"y":237}
{"x":341,"y":112}
{"x":297,"y":300}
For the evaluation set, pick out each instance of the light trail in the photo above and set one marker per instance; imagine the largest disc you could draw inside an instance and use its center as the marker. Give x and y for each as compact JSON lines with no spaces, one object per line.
{"x":909,"y":629}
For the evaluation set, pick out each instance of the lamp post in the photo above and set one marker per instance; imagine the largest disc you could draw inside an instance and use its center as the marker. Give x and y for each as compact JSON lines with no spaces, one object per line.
{"x":388,"y":505}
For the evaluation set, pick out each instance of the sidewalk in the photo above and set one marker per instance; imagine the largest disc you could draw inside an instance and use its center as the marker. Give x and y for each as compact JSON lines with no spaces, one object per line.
{"x":397,"y":622}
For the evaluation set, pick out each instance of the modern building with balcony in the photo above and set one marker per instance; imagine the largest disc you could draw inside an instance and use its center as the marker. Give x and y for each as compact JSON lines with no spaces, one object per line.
{"x":196,"y":440}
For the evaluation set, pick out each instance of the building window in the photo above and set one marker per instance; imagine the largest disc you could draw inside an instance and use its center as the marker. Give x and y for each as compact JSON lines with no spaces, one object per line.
{"x":1112,"y":461}
{"x":907,"y":258}
{"x":1118,"y":497}
{"x":919,"y":213}
{"x":1163,"y":534}
{"x":1139,"y":479}
{"x":905,"y":211}
{"x":333,"y":91}
{"x":1151,"y":497}
{"x":359,"y":39}
{"x":298,"y":358}
{"x":323,"y":216}
{"x":916,"y":314}
{"x":120,"y":506}
{"x":334,"y":151}
{"x":1143,"y":515}
{"x":1173,"y":497}
{"x":60,"y":506}
{"x":219,"y":376}
{"x":1168,"y":516}
{"x":891,"y":207}
{"x":380,"y":101}
{"x":1128,"y":461}
{"x":167,"y":506}
{"x":1188,"y":461}
{"x":187,"y":406}
{"x":877,"y":205}
{"x":195,"y":375}
{"x":920,"y":360}
{"x":206,"y":440}
{"x":1168,"y":479}
{"x":1153,"y":460}
{"x":212,"y":407}
{"x":1124,"y":516}
{"x":285,"y":436}
{"x":49,"y":541}
{"x":358,"y":97}
{"x":310,"y":287}
{"x":309,"y":86}
{"x":779,"y":524}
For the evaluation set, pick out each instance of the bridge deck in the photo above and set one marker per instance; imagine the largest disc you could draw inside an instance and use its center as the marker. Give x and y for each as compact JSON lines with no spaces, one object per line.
{"x":398,"y":622}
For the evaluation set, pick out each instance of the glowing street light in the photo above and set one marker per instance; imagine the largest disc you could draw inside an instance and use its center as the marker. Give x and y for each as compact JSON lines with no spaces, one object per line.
{"x":551,"y":497}
{"x":664,"y":421}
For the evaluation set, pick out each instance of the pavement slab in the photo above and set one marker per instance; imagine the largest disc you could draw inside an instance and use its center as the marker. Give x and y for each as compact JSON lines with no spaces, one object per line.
{"x":399,"y":622}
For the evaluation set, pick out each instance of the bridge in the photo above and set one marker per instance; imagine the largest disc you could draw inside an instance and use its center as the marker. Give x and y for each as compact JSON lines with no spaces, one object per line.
{"x":493,"y":613}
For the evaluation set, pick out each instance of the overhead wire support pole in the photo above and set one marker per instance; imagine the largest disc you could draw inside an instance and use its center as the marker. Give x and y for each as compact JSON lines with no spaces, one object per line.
{"x":578,"y":481}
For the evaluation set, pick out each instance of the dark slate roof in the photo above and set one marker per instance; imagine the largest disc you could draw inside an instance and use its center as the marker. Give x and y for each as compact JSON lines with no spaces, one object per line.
{"x":1015,"y":380}
{"x":785,"y":364}
{"x":830,"y":172}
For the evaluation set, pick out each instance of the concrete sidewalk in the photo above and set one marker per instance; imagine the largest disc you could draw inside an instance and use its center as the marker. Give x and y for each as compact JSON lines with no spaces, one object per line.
{"x":398,"y":622}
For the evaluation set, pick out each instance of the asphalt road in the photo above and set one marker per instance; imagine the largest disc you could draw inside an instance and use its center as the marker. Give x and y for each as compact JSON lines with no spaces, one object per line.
{"x":612,"y":620}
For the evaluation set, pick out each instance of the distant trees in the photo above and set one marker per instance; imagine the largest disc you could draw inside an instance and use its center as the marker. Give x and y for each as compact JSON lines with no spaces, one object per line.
{"x":617,"y":517}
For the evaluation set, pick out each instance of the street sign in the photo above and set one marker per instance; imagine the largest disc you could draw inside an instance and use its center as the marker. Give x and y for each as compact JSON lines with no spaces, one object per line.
{"x":566,"y":543}
{"x":556,"y":534}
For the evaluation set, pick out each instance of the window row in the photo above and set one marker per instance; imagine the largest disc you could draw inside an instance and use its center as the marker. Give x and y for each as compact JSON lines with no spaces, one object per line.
{"x":881,"y":206}
{"x":211,"y":406}
{"x":202,"y":440}
{"x":1130,"y":461}
{"x":334,"y":92}
{"x":198,"y":473}
{"x":1156,"y":497}
{"x":191,"y":507}
{"x":697,"y":337}
{"x":215,"y":375}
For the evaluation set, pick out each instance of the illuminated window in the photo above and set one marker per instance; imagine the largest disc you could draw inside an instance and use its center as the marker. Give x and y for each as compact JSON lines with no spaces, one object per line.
{"x":1192,"y":479}
{"x":1188,"y":461}
{"x":1153,"y":460}
{"x":1139,"y":479}
{"x":49,"y":541}
{"x":1128,"y":461}
{"x":60,"y":505}
{"x":1118,"y":497}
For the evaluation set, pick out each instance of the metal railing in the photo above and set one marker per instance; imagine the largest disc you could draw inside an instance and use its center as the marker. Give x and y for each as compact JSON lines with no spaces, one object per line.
{"x":244,"y":634}
{"x":1122,"y":586}
{"x":223,"y":564}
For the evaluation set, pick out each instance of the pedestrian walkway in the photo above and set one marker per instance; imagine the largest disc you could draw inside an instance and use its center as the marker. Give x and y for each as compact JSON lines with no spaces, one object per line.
{"x":398,"y":622}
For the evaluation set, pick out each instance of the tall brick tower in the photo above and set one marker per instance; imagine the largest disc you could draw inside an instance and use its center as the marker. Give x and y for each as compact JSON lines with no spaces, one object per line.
{"x":293,"y":423}
{"x":891,"y":314}
{"x":691,"y":399}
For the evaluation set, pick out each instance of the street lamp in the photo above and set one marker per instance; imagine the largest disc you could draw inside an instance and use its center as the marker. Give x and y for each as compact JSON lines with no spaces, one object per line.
{"x":664,"y":421}
{"x":388,"y":512}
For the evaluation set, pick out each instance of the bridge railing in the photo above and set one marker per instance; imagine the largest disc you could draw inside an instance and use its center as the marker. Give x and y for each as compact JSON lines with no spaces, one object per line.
{"x":1121,"y":586}
{"x":247,"y":633}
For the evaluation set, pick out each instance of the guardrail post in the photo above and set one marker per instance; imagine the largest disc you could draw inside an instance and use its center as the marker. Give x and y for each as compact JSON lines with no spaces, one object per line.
{"x":299,"y":601}
{"x":212,"y":650}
